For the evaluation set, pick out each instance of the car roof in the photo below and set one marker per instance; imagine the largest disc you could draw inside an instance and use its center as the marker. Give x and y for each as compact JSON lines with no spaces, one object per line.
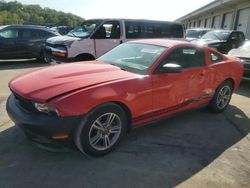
{"x":224,"y":30}
{"x":28,"y":26}
{"x":135,"y":20}
{"x":44,"y":28}
{"x":200,"y":29}
{"x":168,"y":43}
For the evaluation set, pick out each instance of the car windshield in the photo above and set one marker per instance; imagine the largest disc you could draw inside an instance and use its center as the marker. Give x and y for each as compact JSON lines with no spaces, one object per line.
{"x":193,"y":33}
{"x":132,"y":57}
{"x":246,"y":45}
{"x":85,"y":29}
{"x":216,"y":35}
{"x":3,"y":26}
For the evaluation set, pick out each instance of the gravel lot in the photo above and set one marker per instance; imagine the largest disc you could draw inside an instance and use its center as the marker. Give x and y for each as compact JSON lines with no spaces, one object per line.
{"x":192,"y":149}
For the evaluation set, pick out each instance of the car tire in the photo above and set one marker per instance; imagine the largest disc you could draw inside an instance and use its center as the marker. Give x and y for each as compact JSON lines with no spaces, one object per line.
{"x":221,"y":97}
{"x":101,"y":130}
{"x":42,"y":58}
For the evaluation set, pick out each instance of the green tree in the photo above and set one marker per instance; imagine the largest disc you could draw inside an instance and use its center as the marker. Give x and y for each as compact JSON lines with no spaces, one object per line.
{"x":16,"y":13}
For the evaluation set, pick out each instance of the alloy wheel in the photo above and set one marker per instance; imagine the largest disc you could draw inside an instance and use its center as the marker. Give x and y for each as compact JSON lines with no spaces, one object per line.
{"x":105,"y":131}
{"x":223,"y":97}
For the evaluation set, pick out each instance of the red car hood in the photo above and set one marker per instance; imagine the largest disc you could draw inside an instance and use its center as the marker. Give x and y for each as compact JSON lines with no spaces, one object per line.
{"x":46,"y":83}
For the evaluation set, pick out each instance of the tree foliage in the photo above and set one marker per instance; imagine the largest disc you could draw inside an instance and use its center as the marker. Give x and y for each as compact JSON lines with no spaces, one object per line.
{"x":16,"y":13}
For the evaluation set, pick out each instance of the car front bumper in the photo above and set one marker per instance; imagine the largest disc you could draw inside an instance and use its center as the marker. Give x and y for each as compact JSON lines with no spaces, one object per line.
{"x":42,"y":128}
{"x":56,"y":59}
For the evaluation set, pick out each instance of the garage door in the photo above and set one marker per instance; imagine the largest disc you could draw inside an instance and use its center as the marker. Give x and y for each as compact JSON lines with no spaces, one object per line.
{"x":208,"y":23}
{"x":216,"y":22}
{"x":227,"y":23}
{"x":243,"y":21}
{"x":202,"y":23}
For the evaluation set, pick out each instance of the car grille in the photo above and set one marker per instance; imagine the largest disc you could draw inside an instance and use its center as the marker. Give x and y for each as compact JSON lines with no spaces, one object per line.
{"x":25,"y":104}
{"x":54,"y":45}
{"x":247,"y":66}
{"x":245,"y":59}
{"x":50,"y":45}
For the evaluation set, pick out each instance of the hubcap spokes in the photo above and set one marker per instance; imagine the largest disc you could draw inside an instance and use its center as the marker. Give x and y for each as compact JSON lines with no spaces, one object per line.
{"x":105,"y":131}
{"x":223,"y":97}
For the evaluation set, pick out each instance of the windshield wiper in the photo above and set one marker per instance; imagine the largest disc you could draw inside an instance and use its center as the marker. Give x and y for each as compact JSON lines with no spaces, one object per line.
{"x":122,"y":68}
{"x":72,"y":34}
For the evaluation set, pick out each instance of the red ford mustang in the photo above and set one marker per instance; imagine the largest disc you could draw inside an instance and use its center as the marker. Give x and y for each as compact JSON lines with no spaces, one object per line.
{"x":93,"y":104}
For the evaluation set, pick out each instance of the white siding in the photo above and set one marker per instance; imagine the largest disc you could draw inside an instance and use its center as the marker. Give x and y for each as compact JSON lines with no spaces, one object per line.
{"x":216,"y":22}
{"x":208,"y":24}
{"x":227,"y":23}
{"x":231,"y":14}
{"x":202,"y":23}
{"x":243,"y":21}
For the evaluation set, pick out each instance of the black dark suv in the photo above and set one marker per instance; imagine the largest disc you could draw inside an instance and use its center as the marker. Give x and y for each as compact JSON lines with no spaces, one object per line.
{"x":23,"y":41}
{"x":222,"y":40}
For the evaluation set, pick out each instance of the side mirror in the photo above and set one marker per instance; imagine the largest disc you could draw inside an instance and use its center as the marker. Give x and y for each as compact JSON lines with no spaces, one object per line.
{"x":170,"y":68}
{"x":233,"y":39}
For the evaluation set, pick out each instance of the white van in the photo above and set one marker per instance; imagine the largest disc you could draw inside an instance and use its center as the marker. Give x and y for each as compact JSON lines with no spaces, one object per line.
{"x":95,"y":37}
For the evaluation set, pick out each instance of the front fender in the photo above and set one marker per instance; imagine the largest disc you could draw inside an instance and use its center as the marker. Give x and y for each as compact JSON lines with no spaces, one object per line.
{"x":82,"y":101}
{"x":135,"y":94}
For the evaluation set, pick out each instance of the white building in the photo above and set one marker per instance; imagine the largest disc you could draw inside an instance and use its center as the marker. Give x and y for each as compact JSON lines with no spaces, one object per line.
{"x":221,"y":14}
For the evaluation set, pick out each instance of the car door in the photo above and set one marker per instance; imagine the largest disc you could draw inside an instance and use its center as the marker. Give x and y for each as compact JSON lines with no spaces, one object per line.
{"x":176,"y":90}
{"x":8,"y":47}
{"x":32,"y":41}
{"x":25,"y":42}
{"x":107,"y":37}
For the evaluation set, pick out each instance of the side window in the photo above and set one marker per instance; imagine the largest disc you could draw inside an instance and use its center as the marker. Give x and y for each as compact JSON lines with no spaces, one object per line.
{"x":241,"y":39}
{"x":29,"y":34}
{"x":214,"y":57}
{"x":177,"y":31}
{"x":186,"y":57}
{"x":26,"y":33}
{"x":234,"y":35}
{"x":153,"y":30}
{"x":9,"y":33}
{"x":109,"y":30}
{"x":132,"y":30}
{"x":236,"y":39}
{"x":45,"y":34}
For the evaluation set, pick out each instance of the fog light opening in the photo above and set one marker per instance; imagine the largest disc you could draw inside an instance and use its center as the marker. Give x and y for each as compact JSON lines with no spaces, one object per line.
{"x":60,"y":136}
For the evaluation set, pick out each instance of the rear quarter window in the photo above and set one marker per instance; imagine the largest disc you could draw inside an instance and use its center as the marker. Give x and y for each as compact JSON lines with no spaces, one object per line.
{"x":45,"y":34}
{"x":153,"y":30}
{"x":215,"y":57}
{"x":29,"y":34}
{"x":187,"y":57}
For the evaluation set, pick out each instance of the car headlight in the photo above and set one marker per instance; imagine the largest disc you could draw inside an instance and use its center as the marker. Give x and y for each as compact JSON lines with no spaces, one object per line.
{"x":242,"y":61}
{"x":44,"y":108}
{"x":201,"y":43}
{"x":59,"y":51}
